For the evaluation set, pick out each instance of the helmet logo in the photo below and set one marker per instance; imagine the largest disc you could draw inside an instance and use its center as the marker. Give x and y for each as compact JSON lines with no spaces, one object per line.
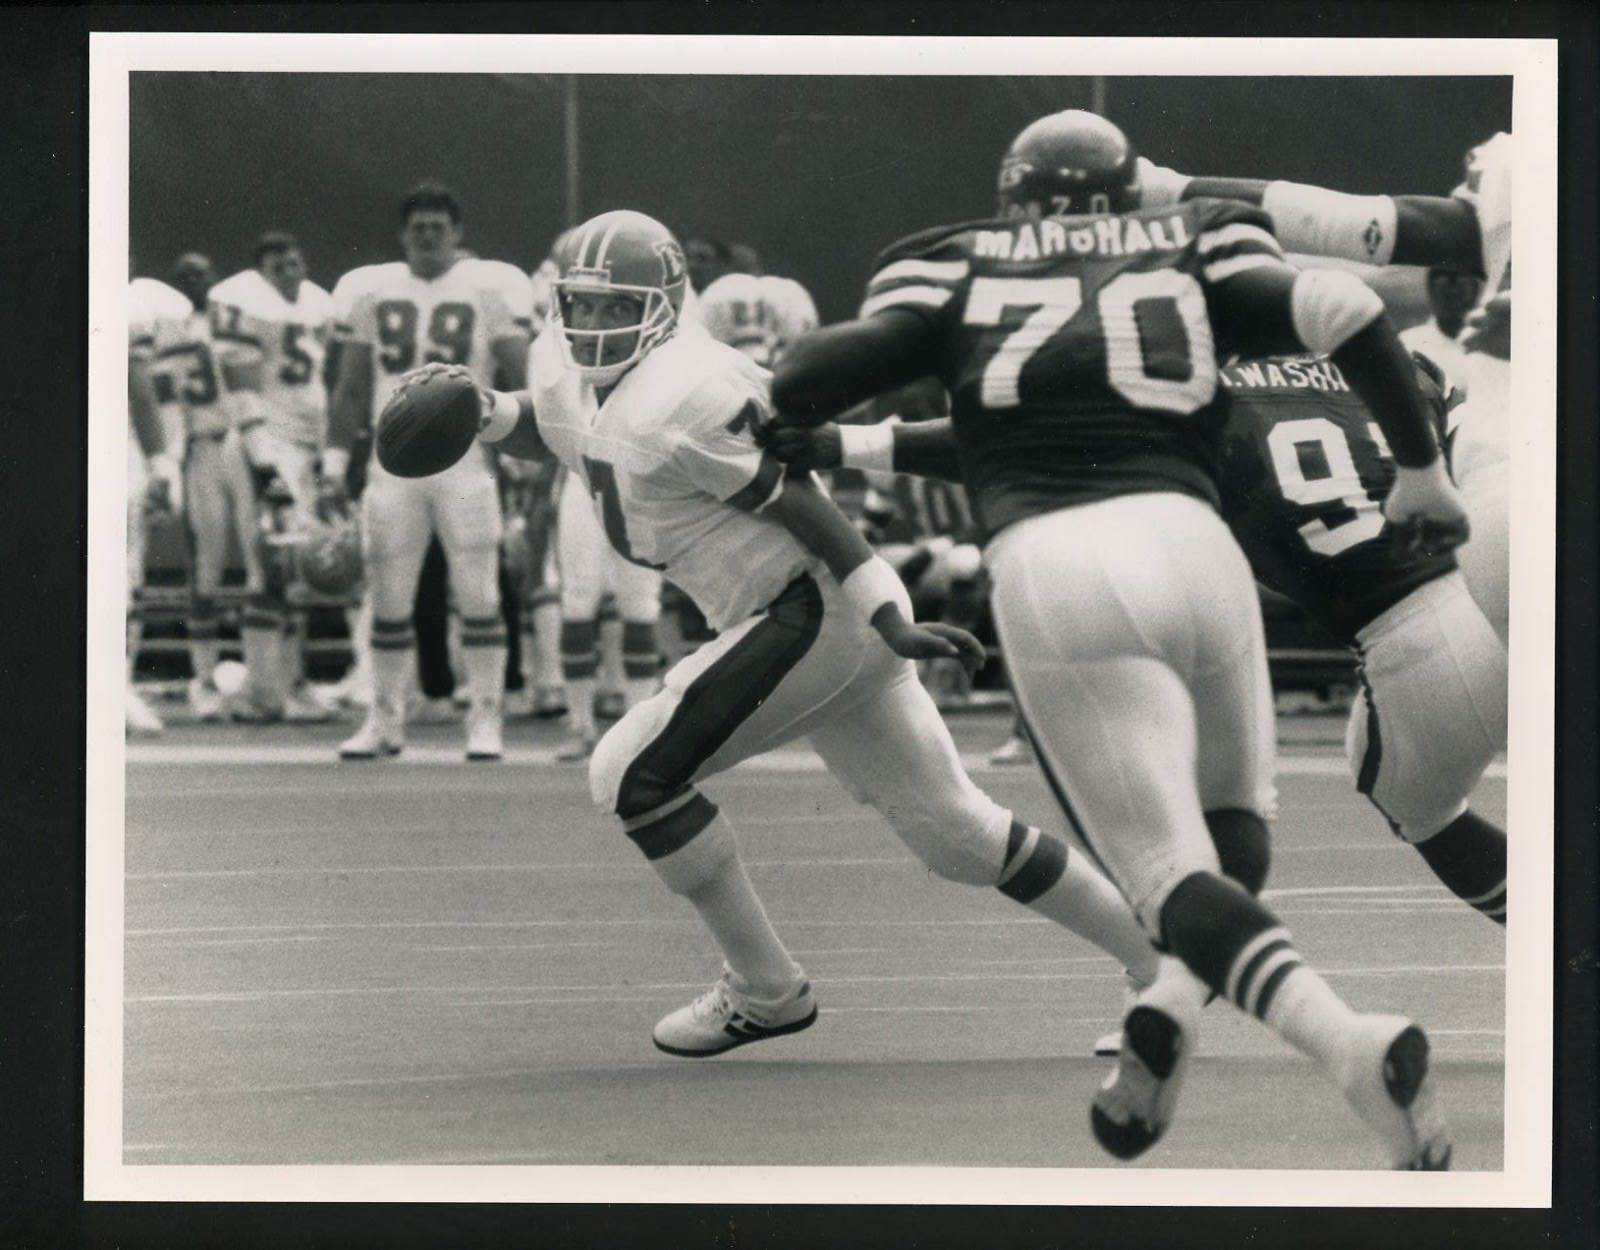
{"x":673,"y":265}
{"x":1011,"y":173}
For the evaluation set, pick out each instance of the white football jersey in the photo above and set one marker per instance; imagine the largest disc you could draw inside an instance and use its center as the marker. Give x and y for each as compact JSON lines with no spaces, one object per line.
{"x":410,"y":321}
{"x":793,"y":309}
{"x":151,"y":302}
{"x":1440,"y":348}
{"x":1488,"y":189}
{"x":671,"y":460}
{"x":250,"y":318}
{"x":188,"y":372}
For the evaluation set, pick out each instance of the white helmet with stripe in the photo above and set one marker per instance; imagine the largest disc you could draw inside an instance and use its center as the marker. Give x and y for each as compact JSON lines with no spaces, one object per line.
{"x":609,"y":262}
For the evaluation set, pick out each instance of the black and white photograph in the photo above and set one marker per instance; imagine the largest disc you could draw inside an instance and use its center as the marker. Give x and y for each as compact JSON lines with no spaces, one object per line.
{"x":773,"y":619}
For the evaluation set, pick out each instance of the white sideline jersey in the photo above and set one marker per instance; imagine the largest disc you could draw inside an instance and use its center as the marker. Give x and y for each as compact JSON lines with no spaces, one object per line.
{"x":760,"y":316}
{"x":187,"y":372}
{"x":671,"y":461}
{"x":251,"y":317}
{"x":411,"y":321}
{"x":151,"y":302}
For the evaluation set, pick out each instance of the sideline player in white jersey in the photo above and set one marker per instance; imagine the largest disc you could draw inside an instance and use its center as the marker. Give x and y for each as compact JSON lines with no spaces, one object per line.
{"x":278,"y":319}
{"x":1078,"y":335}
{"x":1468,"y":230}
{"x":154,"y":474}
{"x":660,"y":426}
{"x":221,"y":403}
{"x":758,"y":315}
{"x":432,"y":306}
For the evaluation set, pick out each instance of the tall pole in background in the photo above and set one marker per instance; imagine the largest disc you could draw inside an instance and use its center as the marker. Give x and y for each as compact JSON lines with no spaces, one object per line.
{"x":570,"y":118}
{"x":1099,"y":97}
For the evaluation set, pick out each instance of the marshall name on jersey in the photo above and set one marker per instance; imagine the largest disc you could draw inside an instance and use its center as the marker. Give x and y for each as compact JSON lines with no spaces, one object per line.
{"x":1078,"y":351}
{"x":1305,"y":470}
{"x":671,"y":460}
{"x":289,"y":337}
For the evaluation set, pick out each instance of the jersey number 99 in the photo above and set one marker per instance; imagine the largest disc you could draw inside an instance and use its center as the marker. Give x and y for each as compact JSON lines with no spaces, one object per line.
{"x":449,"y":333}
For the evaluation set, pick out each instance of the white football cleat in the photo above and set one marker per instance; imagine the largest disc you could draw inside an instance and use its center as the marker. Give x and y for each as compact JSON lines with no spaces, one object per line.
{"x":727,"y":1015}
{"x":381,"y":734}
{"x":206,"y":702}
{"x":426,"y":711}
{"x":1384,"y":1074}
{"x":576,"y":749}
{"x":549,"y":702}
{"x":1138,"y":1100}
{"x":301,"y":706}
{"x":246,"y":709}
{"x":138,"y":716}
{"x":1014,"y":750}
{"x":484,"y":735}
{"x":518,"y":704}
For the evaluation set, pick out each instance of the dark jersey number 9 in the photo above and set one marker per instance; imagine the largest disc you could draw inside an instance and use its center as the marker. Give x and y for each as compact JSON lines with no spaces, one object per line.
{"x":450,"y":329}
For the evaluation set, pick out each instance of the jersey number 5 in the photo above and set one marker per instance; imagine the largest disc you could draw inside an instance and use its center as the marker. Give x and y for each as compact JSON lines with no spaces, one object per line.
{"x":1147,"y":320}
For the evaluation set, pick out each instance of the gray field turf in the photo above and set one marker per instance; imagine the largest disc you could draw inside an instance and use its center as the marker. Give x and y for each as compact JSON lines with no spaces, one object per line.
{"x":434,"y":962}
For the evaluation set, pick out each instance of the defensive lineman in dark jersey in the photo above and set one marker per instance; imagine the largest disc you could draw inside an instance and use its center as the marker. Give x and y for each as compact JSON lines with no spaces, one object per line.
{"x":1081,"y":353}
{"x":1304,"y":468}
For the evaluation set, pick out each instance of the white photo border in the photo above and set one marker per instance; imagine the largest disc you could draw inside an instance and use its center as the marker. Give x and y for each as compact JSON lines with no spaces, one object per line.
{"x":1526,"y":1177}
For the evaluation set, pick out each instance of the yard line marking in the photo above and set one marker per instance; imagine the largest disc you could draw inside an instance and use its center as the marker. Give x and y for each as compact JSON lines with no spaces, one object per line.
{"x":337,"y":870}
{"x":1295,"y":765}
{"x":258,"y":995}
{"x":684,"y":924}
{"x":1353,"y":889}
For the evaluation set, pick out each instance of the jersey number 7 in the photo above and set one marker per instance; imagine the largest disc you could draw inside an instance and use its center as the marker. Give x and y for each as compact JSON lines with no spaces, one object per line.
{"x":1141,"y":315}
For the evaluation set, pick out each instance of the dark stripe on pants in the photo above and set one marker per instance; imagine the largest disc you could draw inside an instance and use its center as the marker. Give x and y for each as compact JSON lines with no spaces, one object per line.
{"x":1372,"y":760}
{"x":722,"y":698}
{"x":1057,"y":789}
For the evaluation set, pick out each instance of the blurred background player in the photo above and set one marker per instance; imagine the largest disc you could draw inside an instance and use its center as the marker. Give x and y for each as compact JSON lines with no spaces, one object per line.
{"x":432,"y":306}
{"x":220,"y":399}
{"x":1452,"y":294}
{"x":154,"y":472}
{"x":278,"y":318}
{"x":1467,"y":231}
{"x":707,"y":260}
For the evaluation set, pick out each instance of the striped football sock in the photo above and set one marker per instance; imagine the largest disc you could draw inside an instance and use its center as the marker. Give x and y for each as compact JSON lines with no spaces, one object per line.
{"x":1469,"y":857}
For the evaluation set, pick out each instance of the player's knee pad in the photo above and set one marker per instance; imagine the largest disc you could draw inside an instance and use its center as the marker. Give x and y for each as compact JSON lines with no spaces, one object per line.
{"x":1243,"y":844}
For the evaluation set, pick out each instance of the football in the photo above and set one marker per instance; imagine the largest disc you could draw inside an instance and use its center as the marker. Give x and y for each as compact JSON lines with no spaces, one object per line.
{"x":428,"y":425}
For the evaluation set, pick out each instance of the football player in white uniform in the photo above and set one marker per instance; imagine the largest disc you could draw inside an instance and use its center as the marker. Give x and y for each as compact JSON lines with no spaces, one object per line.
{"x":275,"y":317}
{"x":660,"y":427}
{"x":221,"y":404}
{"x":432,"y":306}
{"x":1451,"y":296}
{"x":154,"y":474}
{"x":1469,"y":230}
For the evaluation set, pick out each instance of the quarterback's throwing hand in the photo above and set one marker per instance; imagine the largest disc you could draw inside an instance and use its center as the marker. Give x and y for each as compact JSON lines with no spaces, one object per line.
{"x":815,"y":447}
{"x":1426,"y":515}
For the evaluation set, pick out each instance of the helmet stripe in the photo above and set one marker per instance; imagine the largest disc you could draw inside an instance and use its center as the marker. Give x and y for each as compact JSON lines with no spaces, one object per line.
{"x":583,"y":243}
{"x":605,"y":242}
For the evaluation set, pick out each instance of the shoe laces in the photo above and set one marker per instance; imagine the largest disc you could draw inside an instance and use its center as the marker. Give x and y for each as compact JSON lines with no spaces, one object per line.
{"x":716,"y":1001}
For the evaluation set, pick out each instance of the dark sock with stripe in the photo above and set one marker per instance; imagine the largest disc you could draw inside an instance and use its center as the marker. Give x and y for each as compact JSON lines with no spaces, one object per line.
{"x":580,"y":654}
{"x":1228,"y":940}
{"x":1243,"y":846}
{"x":1034,"y":863}
{"x":639,"y":653}
{"x":1469,"y":857}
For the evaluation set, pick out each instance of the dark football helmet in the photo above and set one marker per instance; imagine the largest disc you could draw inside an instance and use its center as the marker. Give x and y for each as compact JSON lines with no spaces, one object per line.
{"x":1069,"y":162}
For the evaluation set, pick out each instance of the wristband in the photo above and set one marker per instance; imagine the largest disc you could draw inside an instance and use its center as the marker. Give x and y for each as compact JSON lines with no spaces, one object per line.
{"x":872,"y":584}
{"x":867,"y":447}
{"x":501,"y":419}
{"x":1331,"y":223}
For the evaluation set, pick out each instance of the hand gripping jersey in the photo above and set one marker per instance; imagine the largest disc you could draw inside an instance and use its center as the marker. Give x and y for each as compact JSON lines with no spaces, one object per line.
{"x":410,"y":321}
{"x":250,"y":317}
{"x":1078,"y":351}
{"x":1304,"y":473}
{"x":671,"y":460}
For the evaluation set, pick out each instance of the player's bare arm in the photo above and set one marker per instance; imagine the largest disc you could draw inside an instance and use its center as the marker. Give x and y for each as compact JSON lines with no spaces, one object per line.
{"x":1432,"y":230}
{"x":876,"y":589}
